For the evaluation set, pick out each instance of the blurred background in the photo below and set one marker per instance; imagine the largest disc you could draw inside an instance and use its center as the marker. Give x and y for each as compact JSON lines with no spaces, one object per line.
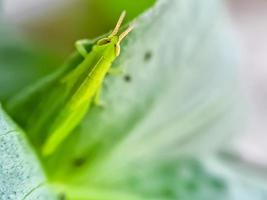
{"x":37,"y":20}
{"x":75,"y":18}
{"x":250,"y":21}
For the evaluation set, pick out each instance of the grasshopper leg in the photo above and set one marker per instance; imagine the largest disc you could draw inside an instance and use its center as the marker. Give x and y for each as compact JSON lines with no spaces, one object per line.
{"x":116,"y":71}
{"x":97,"y":98}
{"x":81,"y":48}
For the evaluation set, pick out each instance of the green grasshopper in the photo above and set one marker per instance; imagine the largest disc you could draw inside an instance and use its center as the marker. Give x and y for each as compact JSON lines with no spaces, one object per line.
{"x":53,"y":109}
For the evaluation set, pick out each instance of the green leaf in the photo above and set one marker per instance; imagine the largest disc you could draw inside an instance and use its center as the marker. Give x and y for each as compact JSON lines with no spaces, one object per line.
{"x":186,"y":178}
{"x":176,"y":100}
{"x":21,"y":176}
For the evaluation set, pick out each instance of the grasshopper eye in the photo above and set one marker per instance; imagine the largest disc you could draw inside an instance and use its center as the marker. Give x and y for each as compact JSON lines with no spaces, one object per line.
{"x":103,"y":41}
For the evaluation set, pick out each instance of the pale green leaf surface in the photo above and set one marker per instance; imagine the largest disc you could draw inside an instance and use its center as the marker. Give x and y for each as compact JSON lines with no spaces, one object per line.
{"x":243,"y":180}
{"x":21,"y":176}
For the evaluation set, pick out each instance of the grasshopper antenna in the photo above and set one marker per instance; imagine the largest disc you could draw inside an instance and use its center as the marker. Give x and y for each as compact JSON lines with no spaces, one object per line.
{"x":126,"y":32}
{"x":118,"y":25}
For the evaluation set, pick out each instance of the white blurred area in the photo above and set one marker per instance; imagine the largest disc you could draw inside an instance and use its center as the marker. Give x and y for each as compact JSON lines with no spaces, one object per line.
{"x":250,"y":21}
{"x":20,"y":11}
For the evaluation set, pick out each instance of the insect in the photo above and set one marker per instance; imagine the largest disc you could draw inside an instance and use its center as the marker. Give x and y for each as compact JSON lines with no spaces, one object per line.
{"x":51,"y":109}
{"x":95,"y":66}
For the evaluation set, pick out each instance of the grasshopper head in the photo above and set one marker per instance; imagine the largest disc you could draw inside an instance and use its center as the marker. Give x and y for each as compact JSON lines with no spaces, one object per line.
{"x":114,"y":39}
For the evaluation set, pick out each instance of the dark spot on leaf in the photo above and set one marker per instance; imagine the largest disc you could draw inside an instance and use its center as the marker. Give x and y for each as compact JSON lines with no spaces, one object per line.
{"x":167,"y":192}
{"x":62,"y":196}
{"x":127,"y":78}
{"x":78,"y":162}
{"x":191,"y":186}
{"x":148,"y":56}
{"x":217,"y":184}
